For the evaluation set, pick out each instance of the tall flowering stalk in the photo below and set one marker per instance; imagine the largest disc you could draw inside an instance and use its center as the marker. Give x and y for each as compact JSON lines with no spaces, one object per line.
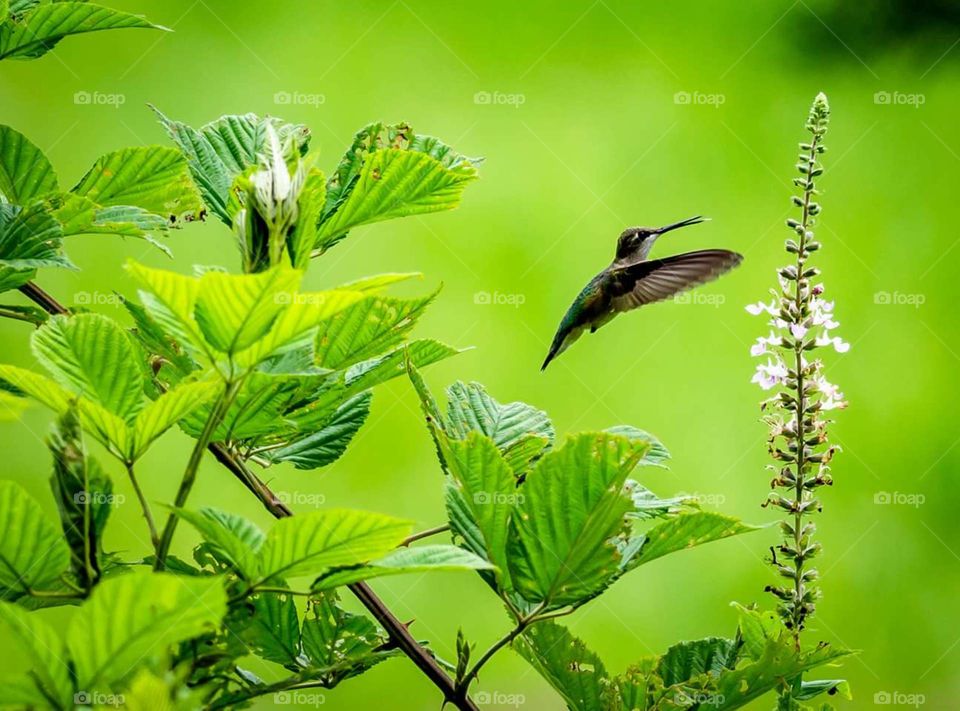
{"x":801,"y":322}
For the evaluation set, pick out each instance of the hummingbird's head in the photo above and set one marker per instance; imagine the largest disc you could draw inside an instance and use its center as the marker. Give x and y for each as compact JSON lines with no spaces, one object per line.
{"x":636,"y":242}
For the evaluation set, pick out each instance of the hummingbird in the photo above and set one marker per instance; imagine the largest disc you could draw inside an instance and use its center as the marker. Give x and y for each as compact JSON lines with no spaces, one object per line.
{"x":632,"y":280}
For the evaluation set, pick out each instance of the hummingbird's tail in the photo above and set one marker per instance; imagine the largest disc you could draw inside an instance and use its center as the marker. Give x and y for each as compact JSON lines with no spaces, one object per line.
{"x":558,"y":346}
{"x":550,"y":356}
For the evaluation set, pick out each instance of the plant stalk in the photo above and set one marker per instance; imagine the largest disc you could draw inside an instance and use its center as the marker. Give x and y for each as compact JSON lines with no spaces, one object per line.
{"x":144,"y":505}
{"x":217,"y":413}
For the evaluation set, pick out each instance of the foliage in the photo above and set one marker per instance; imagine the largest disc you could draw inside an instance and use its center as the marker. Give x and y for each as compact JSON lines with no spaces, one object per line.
{"x":135,"y":192}
{"x":31,"y":28}
{"x":710,"y":673}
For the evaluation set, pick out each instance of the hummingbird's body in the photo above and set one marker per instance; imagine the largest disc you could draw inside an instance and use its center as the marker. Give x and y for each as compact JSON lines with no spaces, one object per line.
{"x":632,"y":280}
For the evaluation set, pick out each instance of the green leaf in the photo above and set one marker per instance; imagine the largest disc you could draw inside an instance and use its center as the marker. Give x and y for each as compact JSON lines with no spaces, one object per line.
{"x":296,"y":324}
{"x":33,"y":554}
{"x":481,"y":495}
{"x":166,"y":411}
{"x":655,"y":456}
{"x":574,"y":505}
{"x":686,"y":530}
{"x":250,"y":317}
{"x":236,"y":311}
{"x":378,"y":282}
{"x":309,"y":544}
{"x":341,"y":642}
{"x":367,"y":329}
{"x":94,"y":356}
{"x":83,"y":493}
{"x":236,"y":540}
{"x":108,"y":429}
{"x":779,"y":662}
{"x":170,"y":299}
{"x":25,"y":172}
{"x":390,"y":172}
{"x":686,"y":660}
{"x":152,"y":178}
{"x":29,"y":238}
{"x":327,"y":444}
{"x":132,"y":619}
{"x":521,"y":432}
{"x":221,"y":150}
{"x":45,"y":654}
{"x":13,"y":278}
{"x":420,"y":559}
{"x":38,"y":32}
{"x":259,"y":408}
{"x":421,"y":353}
{"x":271,"y":629}
{"x":575,"y":672}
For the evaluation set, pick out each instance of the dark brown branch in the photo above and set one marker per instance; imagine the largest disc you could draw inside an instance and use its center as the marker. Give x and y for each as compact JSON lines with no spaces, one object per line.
{"x":399,"y":634}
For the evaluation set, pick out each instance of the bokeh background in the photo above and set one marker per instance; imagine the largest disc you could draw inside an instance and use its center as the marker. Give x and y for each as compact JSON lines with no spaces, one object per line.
{"x":593,"y":115}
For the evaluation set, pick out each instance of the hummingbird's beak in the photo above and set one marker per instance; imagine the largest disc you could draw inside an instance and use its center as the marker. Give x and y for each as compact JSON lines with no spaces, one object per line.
{"x":683,"y":223}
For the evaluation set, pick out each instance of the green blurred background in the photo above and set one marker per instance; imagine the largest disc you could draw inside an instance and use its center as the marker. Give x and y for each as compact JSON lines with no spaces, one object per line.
{"x":576,"y":107}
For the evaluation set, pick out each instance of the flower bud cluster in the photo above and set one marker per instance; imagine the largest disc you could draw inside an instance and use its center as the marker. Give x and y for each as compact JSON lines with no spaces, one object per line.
{"x":801,"y":322}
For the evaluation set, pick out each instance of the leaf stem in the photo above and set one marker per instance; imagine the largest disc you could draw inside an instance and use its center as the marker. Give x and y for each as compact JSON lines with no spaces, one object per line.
{"x":144,"y":505}
{"x":424,"y":534}
{"x":522,"y":624}
{"x":217,"y":413}
{"x":43,"y":299}
{"x":17,"y":315}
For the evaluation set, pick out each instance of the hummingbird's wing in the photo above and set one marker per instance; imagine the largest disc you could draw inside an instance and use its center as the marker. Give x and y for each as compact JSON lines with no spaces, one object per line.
{"x":653,"y":280}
